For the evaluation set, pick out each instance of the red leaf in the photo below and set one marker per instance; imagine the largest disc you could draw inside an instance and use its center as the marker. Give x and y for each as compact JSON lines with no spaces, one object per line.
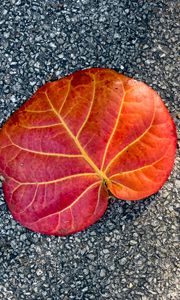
{"x":78,"y":138}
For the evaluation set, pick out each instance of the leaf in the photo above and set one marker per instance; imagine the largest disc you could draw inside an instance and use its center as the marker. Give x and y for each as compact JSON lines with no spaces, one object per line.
{"x":79,"y":139}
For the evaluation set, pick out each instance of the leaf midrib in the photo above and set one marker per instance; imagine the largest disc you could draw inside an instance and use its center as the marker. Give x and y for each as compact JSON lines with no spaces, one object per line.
{"x":100,"y":173}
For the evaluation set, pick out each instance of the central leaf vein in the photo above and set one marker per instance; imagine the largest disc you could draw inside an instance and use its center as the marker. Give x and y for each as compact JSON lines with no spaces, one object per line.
{"x":83,"y":152}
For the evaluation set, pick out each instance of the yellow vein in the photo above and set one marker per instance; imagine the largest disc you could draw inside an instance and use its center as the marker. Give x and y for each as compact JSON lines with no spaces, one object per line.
{"x":55,"y":180}
{"x":14,"y":190}
{"x":12,"y":158}
{"x":114,"y":129}
{"x":90,"y":108}
{"x":72,"y":218}
{"x":66,"y":96}
{"x":141,"y":168}
{"x":4,"y":147}
{"x":85,"y":155}
{"x":72,"y":204}
{"x":40,"y":127}
{"x":42,"y":153}
{"x":92,"y":137}
{"x":57,"y":226}
{"x":80,"y":196}
{"x":98,"y":199}
{"x":38,"y":111}
{"x":121,"y":185}
{"x":30,"y":204}
{"x":70,"y":110}
{"x":132,"y":143}
{"x":125,"y":91}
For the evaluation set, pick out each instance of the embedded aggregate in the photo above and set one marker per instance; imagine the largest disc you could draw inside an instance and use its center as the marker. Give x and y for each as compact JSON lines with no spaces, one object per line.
{"x":132,"y":253}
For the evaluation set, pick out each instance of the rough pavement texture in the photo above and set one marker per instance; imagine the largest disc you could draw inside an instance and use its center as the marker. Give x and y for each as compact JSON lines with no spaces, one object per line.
{"x":133,"y":251}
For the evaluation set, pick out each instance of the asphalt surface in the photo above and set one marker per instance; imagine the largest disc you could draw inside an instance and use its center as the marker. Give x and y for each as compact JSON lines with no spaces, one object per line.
{"x":133,"y":251}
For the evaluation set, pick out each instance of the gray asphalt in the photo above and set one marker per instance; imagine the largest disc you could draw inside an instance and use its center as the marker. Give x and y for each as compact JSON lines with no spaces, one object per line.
{"x":133,"y":251}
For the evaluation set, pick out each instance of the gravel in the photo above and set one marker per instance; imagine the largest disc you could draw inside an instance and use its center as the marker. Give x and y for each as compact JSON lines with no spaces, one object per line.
{"x":133,"y":251}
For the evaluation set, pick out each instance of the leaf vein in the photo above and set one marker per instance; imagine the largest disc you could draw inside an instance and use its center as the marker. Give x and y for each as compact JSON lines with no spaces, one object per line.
{"x":32,"y":201}
{"x":55,"y":180}
{"x":90,"y":108}
{"x":40,"y":152}
{"x":84,"y":153}
{"x":114,"y":129}
{"x":42,"y":126}
{"x":66,"y":96}
{"x":132,"y":143}
{"x":69,"y":206}
{"x":37,"y":111}
{"x":141,"y":168}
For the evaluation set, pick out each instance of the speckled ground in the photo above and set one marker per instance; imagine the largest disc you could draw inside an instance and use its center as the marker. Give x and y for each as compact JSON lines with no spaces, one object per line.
{"x":133,"y":251}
